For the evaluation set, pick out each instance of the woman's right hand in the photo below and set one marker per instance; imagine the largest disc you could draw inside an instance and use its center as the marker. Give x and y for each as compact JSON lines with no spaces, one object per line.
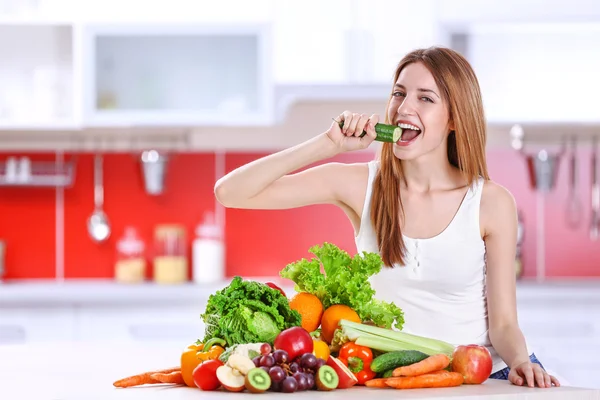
{"x":348,"y":137}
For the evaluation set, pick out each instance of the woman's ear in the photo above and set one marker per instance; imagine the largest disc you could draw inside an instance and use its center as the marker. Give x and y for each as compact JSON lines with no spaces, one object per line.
{"x":451,"y":125}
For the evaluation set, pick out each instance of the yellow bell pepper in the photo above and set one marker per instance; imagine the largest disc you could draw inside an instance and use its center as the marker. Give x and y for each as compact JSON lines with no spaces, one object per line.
{"x":189,"y":361}
{"x":320,"y":349}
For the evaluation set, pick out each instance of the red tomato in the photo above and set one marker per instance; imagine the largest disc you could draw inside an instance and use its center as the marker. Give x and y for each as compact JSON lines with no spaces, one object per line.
{"x":205,"y":375}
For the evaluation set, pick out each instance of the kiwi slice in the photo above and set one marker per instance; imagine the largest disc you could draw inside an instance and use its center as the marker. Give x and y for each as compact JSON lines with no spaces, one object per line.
{"x":257,"y":380}
{"x":327,"y":378}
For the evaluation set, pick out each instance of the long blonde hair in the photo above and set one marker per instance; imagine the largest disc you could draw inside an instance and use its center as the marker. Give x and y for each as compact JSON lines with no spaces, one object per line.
{"x":466,"y":143}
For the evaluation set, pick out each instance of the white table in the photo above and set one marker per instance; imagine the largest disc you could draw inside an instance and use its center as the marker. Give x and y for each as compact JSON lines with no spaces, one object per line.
{"x":81,"y":371}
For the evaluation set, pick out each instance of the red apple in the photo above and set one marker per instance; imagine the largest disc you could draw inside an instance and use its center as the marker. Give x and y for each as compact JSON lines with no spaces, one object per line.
{"x":474,"y":362}
{"x":347,"y":378}
{"x":295,"y":341}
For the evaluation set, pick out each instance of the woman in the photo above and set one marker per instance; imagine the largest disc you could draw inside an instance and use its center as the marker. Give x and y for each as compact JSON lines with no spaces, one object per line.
{"x":445,"y":231}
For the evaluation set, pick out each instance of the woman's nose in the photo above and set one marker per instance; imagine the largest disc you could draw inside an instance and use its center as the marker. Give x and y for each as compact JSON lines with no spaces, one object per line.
{"x":406,"y":107}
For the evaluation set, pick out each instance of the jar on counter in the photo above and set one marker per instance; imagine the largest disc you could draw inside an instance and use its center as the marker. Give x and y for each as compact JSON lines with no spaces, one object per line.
{"x":130,"y":266}
{"x":170,"y":260}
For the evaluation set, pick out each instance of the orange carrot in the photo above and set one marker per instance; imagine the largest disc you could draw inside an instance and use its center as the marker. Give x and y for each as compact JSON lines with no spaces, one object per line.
{"x":143,"y":378}
{"x":437,"y":380}
{"x":432,"y":363}
{"x":377,"y":383}
{"x":172,"y":377}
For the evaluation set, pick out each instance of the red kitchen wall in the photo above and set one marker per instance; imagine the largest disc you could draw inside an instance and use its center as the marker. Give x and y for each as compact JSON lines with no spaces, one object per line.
{"x":27,"y":227}
{"x":258,"y":242}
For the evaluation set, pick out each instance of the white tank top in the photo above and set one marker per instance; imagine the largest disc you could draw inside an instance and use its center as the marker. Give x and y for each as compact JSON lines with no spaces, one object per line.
{"x":441,"y":289}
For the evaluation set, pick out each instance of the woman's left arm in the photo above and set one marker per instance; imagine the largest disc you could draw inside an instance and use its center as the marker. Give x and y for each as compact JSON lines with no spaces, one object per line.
{"x":499,"y":222}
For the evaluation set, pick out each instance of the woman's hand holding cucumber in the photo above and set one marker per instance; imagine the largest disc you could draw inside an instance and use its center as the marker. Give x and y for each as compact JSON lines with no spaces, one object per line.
{"x":350,"y":136}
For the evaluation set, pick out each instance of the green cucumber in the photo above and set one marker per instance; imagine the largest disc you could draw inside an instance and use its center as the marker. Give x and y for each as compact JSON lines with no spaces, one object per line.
{"x":385,"y":133}
{"x":395,"y":359}
{"x":388,"y":374}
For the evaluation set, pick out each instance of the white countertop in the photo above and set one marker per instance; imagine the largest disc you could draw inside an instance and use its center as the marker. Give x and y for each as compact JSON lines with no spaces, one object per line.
{"x":51,"y":292}
{"x":87,"y":371}
{"x":105,"y":292}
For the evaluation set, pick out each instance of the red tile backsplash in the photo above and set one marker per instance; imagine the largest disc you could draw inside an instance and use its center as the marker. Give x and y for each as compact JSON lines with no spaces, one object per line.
{"x":258,"y":242}
{"x":188,"y":193}
{"x":27,"y":226}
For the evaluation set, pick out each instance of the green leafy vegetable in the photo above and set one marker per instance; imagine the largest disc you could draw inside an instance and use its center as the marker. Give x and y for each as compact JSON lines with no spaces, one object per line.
{"x":247,"y":312}
{"x":345,"y":282}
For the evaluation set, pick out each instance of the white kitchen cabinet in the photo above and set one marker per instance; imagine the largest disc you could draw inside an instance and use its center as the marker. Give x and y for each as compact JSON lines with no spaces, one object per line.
{"x":308,"y":44}
{"x":349,"y":42}
{"x":387,"y":30}
{"x":176,"y":75}
{"x":60,"y":72}
{"x":532,"y":73}
{"x":135,"y":11}
{"x":36,"y":76}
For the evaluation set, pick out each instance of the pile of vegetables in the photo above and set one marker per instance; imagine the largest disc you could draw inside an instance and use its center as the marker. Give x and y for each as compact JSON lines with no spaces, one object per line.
{"x":345,"y":282}
{"x":333,"y":334}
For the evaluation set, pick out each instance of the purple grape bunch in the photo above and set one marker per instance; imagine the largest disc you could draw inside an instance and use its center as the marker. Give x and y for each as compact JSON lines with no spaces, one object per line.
{"x":288,"y":376}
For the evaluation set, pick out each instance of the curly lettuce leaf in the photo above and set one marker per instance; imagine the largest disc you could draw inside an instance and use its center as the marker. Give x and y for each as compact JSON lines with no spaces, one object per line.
{"x":345,"y":281}
{"x":247,"y":312}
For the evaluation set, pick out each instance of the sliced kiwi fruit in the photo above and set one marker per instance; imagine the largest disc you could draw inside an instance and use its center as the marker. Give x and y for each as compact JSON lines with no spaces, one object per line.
{"x":327,"y":378}
{"x":257,"y":380}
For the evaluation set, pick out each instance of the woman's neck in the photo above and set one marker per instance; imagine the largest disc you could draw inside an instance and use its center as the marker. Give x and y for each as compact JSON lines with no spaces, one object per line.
{"x":430,"y":173}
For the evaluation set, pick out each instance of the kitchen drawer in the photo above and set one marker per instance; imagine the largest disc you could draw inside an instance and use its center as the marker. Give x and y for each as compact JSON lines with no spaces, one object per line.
{"x":139,"y":324}
{"x":26,"y":325}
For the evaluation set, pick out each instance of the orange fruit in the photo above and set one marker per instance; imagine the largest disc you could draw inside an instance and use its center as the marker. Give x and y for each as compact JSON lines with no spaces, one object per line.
{"x":331,"y":319}
{"x":310,"y":308}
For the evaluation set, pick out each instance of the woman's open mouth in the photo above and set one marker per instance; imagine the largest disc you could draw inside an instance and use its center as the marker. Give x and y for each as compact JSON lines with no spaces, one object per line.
{"x":409,"y":133}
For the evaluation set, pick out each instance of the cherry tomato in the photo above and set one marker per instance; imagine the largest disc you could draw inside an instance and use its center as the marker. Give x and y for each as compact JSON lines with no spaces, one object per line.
{"x":205,"y":375}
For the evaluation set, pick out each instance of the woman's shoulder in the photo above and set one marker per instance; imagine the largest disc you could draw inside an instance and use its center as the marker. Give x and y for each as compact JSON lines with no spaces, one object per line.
{"x":497,"y":203}
{"x":496,"y":194}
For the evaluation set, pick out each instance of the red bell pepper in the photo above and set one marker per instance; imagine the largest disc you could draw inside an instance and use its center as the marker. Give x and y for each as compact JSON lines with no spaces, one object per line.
{"x":358,"y":359}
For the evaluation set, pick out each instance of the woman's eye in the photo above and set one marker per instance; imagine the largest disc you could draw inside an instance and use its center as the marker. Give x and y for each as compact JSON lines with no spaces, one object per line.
{"x":397,"y":94}
{"x":424,"y":98}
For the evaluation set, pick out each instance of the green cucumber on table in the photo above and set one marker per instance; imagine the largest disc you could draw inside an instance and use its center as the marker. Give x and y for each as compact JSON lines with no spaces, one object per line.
{"x":395,"y":359}
{"x":388,"y":374}
{"x":385,"y":133}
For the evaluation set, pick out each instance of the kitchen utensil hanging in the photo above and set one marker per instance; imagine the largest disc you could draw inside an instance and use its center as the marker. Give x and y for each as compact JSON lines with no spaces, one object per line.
{"x":154,"y":165}
{"x":98,"y":225}
{"x":595,"y":198}
{"x":542,"y":169}
{"x":574,"y":209}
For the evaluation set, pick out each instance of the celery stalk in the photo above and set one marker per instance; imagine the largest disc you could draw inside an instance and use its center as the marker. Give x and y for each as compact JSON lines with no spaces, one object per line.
{"x":389,"y":340}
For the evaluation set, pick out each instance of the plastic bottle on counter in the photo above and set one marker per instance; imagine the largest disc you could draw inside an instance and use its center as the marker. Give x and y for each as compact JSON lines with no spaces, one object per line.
{"x":208,"y":252}
{"x":131,"y":263}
